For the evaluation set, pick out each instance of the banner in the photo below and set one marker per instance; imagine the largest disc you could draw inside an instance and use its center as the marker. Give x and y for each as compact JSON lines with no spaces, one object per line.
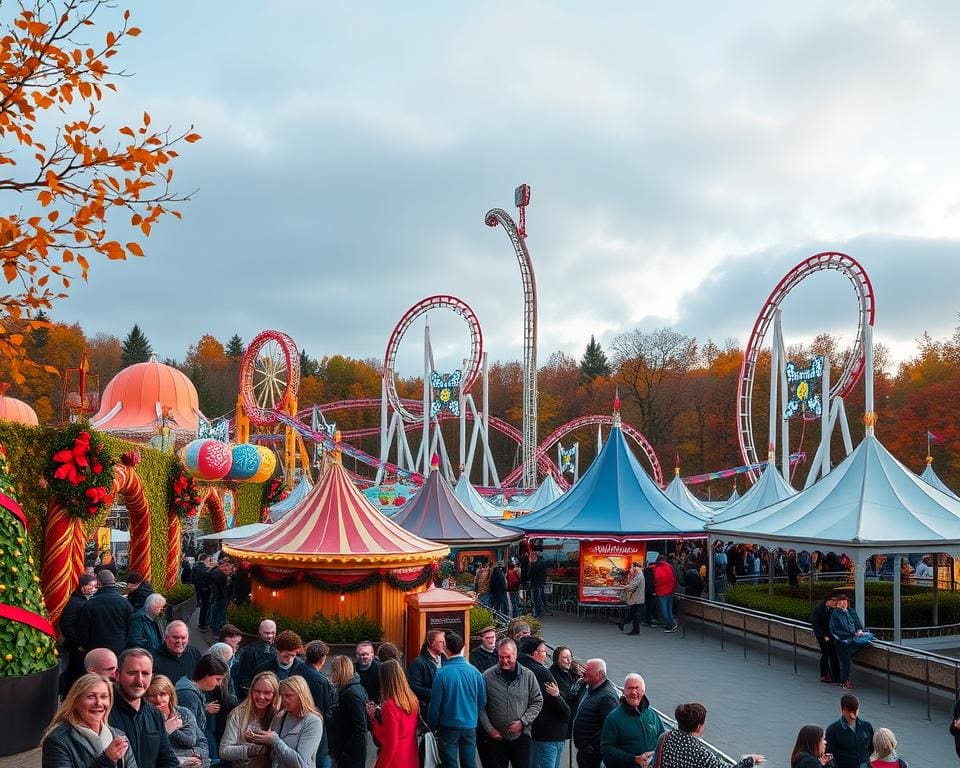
{"x":803,"y":386}
{"x":605,"y":569}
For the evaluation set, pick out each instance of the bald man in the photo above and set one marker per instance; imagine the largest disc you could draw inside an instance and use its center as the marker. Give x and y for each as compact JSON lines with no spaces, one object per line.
{"x":254,"y":655}
{"x":101,"y":661}
{"x":176,"y":657}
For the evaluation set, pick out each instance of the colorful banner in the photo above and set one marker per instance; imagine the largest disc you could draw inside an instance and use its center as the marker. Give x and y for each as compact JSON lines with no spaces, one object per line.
{"x":605,"y":569}
{"x":803,"y":384}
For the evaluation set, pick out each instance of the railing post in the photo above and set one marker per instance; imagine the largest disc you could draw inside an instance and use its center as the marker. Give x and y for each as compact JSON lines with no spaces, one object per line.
{"x":769,"y":641}
{"x":888,"y":674}
{"x":721,"y":627}
{"x":926,"y":675}
{"x":795,"y":649}
{"x":744,"y":618}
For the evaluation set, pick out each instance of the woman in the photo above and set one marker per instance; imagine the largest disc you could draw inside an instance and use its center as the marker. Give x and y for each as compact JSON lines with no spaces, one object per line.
{"x":388,"y":651}
{"x":810,"y":749}
{"x":79,"y":736}
{"x":192,"y":690}
{"x":188,"y":741}
{"x":845,"y":627}
{"x":256,"y":713}
{"x":348,"y":734}
{"x":295,"y":732}
{"x":568,"y":678}
{"x":885,"y":750}
{"x":682,"y":748}
{"x":394,"y":722}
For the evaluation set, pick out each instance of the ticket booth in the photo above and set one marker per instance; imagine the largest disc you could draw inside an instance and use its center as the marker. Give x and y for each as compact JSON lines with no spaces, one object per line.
{"x":436,"y":608}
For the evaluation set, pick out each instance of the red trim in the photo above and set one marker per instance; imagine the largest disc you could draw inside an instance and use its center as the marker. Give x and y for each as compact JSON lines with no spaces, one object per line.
{"x":14,"y":509}
{"x":23,"y":616}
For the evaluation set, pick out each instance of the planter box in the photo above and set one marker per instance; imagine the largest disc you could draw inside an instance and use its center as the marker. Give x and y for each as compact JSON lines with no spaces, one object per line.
{"x":181,"y":611}
{"x":27,"y":705}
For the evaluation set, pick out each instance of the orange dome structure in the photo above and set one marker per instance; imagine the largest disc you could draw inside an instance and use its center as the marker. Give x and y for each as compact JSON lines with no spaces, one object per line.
{"x":136,"y":398}
{"x":17,"y":411}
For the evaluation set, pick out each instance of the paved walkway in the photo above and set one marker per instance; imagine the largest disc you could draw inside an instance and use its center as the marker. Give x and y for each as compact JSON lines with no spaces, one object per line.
{"x":752,"y":707}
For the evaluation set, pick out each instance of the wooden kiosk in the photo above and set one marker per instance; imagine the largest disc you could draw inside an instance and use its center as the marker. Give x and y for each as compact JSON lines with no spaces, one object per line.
{"x":436,"y":608}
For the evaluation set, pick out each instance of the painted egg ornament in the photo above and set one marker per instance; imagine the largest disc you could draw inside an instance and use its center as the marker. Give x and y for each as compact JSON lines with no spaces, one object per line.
{"x":268,"y":463}
{"x":246,"y":462}
{"x":207,"y":459}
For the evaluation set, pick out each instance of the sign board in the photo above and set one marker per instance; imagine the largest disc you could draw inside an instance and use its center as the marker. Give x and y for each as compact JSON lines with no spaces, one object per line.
{"x":803,"y":389}
{"x":447,"y":620}
{"x":605,"y":569}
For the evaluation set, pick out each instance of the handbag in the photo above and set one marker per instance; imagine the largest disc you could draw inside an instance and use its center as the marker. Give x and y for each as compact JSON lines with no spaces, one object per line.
{"x":658,"y":754}
{"x":427,"y":745}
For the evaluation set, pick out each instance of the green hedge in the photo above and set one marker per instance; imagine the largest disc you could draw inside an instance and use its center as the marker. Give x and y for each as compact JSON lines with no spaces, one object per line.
{"x":916,"y":603}
{"x":330,"y":629}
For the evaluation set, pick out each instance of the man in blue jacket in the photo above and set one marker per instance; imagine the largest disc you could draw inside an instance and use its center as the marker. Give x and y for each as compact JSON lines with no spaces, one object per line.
{"x":457,"y":696}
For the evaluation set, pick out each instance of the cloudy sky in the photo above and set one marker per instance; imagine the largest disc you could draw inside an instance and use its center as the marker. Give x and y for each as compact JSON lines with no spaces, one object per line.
{"x":683,"y":157}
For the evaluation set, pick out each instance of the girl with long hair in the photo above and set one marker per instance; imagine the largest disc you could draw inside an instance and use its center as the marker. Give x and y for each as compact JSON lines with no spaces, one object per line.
{"x":78,"y":735}
{"x":295,"y":732}
{"x":810,"y":749}
{"x":188,"y":742}
{"x":394,"y":722}
{"x":256,"y":713}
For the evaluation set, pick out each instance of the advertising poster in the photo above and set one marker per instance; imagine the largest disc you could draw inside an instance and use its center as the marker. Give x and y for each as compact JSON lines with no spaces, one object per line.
{"x":605,"y":569}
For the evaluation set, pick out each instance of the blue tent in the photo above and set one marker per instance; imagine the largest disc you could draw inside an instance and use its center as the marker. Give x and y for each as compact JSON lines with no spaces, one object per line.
{"x":614,"y":498}
{"x":546,"y":494}
{"x":932,"y":478}
{"x":680,"y":495}
{"x":297,"y":494}
{"x":769,"y":489}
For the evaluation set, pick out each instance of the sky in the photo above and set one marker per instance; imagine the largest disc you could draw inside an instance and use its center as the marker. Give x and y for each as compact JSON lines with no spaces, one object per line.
{"x":683,"y":157}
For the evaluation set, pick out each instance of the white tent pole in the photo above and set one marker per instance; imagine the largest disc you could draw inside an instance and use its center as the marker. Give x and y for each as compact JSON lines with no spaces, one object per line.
{"x":825,"y":431}
{"x":474,"y":436}
{"x":859,"y":573}
{"x":427,"y":368}
{"x":868,"y":373}
{"x":840,"y":415}
{"x":711,"y":568}
{"x":936,"y":588}
{"x":897,"y":633}
{"x":774,"y":380}
{"x":463,"y":428}
{"x":782,"y":373}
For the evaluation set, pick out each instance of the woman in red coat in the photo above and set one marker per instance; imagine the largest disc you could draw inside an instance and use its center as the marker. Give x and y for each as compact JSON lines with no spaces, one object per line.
{"x":394,"y":722}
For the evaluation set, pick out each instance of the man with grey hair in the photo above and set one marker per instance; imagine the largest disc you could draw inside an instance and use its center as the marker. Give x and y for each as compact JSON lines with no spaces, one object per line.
{"x":101,"y":661}
{"x":632,"y":729}
{"x":176,"y":658}
{"x":598,"y":698}
{"x":146,"y":626}
{"x":253,"y":655}
{"x":368,"y":668}
{"x":513,"y":703}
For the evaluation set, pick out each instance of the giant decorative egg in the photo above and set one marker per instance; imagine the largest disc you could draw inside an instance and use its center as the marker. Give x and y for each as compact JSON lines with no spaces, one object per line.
{"x":268,"y":463}
{"x":207,"y":459}
{"x":246,"y":462}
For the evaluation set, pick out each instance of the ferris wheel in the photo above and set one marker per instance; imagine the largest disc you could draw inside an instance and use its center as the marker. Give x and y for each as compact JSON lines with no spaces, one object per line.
{"x":269,"y":376}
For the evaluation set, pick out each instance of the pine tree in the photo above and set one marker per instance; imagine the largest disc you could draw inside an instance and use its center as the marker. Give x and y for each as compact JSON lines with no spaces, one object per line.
{"x":235,"y":347}
{"x":593,"y":363}
{"x":308,"y":366}
{"x":136,"y":348}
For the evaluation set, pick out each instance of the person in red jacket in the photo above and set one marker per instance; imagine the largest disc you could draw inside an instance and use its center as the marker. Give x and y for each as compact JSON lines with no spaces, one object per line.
{"x":664,"y":585}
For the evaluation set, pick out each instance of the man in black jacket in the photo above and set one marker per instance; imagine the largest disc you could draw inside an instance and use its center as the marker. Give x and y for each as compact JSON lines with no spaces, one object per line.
{"x":538,"y":583}
{"x":68,"y":628}
{"x":253,"y":655}
{"x":850,"y":739}
{"x":176,"y":657}
{"x":597,"y":699}
{"x":549,"y":730}
{"x":140,"y":721}
{"x":498,"y":590}
{"x":484,"y":655}
{"x":138,"y":590}
{"x":202,"y":585}
{"x":820,"y":623}
{"x":424,"y":668}
{"x":104,"y":620}
{"x":368,"y":668}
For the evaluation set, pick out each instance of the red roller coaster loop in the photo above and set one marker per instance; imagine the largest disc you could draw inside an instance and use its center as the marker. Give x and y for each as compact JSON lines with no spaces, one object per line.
{"x":269,"y":375}
{"x":856,"y":274}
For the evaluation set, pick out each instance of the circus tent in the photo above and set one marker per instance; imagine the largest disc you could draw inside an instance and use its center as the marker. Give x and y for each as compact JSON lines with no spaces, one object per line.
{"x":869,"y":504}
{"x":471,"y":498}
{"x":680,"y":495}
{"x":615,"y":498}
{"x":734,"y":496}
{"x":297,"y":494}
{"x":930,"y":477}
{"x":769,"y":489}
{"x":436,"y":513}
{"x":548,"y":492}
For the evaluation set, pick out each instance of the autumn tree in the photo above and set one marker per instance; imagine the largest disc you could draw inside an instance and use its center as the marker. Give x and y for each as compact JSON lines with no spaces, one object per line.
{"x":72,"y":179}
{"x":593,"y":363}
{"x":235,"y":347}
{"x":135,"y":348}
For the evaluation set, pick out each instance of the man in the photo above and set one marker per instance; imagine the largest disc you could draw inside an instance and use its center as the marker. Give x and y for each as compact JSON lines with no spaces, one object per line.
{"x":324,"y":694}
{"x":458,"y":694}
{"x":538,"y":583}
{"x":518,"y":630}
{"x":692,"y":581}
{"x":146,"y":629}
{"x":549,"y":731}
{"x":484,"y":655}
{"x":140,"y":721}
{"x":368,"y":667}
{"x":68,"y":628}
{"x":424,"y":668}
{"x":924,"y":572}
{"x":664,"y":585}
{"x":219,"y":580}
{"x":513,"y":703}
{"x":202,"y":585}
{"x":175,"y":658}
{"x":634,"y":593}
{"x":850,"y":739}
{"x":105,"y":618}
{"x":649,"y":597}
{"x":498,"y":590}
{"x":481,"y":584}
{"x":597,"y":699}
{"x":138,"y":590}
{"x":101,"y":661}
{"x":820,"y":623}
{"x":631,"y":730}
{"x":232,"y":636}
{"x":284,"y":662}
{"x":253,"y":655}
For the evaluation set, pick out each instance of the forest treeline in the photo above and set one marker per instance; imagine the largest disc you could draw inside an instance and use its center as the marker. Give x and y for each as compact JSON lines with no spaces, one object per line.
{"x":679,"y":393}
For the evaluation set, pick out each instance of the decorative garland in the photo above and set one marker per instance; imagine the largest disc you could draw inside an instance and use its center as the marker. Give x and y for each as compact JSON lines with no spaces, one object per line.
{"x":347,"y":583}
{"x":80,"y":472}
{"x":184,"y":496}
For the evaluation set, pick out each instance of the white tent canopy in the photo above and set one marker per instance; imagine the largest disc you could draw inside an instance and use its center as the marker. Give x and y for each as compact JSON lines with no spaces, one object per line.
{"x":548,"y":492}
{"x":297,"y":494}
{"x":769,"y":489}
{"x":869,"y":504}
{"x":471,"y":498}
{"x":680,"y":495}
{"x":240,"y":532}
{"x":931,"y":478}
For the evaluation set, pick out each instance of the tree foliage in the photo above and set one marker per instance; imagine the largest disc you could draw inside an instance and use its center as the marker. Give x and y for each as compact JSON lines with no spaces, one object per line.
{"x":594,"y":362}
{"x":136,"y":348}
{"x":70,"y":180}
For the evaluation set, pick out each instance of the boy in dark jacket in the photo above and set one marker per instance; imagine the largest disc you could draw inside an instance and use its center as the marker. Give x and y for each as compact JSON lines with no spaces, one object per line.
{"x":549,"y":730}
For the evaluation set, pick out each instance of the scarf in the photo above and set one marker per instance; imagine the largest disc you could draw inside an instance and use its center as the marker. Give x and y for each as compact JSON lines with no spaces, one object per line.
{"x":98,"y":742}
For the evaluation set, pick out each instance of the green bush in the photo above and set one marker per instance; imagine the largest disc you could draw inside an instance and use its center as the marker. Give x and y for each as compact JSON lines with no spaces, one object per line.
{"x":330,"y":629}
{"x":916,"y":602}
{"x":536,"y":626}
{"x":464,"y":580}
{"x":179,"y":594}
{"x":481,"y":617}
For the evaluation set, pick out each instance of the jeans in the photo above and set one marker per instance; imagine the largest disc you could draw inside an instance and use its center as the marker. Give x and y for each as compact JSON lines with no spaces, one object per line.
{"x":452,"y":742}
{"x":666,"y":610}
{"x":512,"y":752}
{"x":546,"y":754}
{"x":539,"y":600}
{"x":845,"y":652}
{"x":514,"y":604}
{"x":218,"y":615}
{"x":324,"y":761}
{"x":500,"y":603}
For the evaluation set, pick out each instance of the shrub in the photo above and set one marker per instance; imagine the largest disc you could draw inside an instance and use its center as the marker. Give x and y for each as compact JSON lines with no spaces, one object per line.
{"x":481,"y":617}
{"x":179,"y":594}
{"x":536,"y":626}
{"x":464,"y":579}
{"x":330,"y":629}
